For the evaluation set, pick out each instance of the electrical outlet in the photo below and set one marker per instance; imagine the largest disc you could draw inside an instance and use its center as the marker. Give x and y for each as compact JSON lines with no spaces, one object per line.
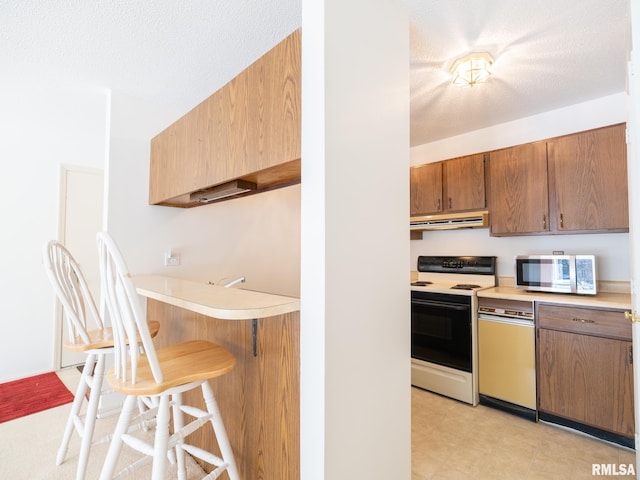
{"x":171,"y":258}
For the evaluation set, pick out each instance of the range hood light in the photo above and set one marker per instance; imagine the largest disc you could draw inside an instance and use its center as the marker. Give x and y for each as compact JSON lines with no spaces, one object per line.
{"x":228,"y":189}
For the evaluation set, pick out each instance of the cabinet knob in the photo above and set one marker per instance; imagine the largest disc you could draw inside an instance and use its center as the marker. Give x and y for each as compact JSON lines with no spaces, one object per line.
{"x":632,"y":316}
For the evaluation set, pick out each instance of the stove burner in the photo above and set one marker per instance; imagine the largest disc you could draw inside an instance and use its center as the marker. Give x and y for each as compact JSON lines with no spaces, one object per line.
{"x":465,"y":286}
{"x":421,"y":284}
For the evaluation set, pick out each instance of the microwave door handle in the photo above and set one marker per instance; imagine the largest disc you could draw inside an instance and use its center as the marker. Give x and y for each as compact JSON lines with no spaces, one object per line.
{"x":572,"y":274}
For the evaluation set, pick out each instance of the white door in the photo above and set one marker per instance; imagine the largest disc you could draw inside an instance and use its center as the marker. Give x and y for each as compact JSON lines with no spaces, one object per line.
{"x":80,"y":219}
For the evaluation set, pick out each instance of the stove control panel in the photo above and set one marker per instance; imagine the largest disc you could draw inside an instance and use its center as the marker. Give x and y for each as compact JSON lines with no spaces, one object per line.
{"x":466,"y":265}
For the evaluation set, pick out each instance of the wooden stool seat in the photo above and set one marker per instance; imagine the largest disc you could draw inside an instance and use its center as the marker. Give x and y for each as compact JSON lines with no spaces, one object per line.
{"x":181,"y":363}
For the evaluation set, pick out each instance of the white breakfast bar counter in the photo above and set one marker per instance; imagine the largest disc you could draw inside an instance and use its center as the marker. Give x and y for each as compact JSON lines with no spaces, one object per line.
{"x":260,"y":398}
{"x":212,"y":300}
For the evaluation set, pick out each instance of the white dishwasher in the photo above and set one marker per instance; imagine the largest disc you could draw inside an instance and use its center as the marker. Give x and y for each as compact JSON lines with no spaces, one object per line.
{"x":506,"y":356}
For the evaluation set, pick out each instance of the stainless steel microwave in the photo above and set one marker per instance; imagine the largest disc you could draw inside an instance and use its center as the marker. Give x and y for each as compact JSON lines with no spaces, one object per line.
{"x":557,"y":273}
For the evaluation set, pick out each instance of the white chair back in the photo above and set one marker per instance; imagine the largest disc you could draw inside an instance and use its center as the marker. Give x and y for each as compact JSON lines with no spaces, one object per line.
{"x":130,"y":329}
{"x":72,"y":291}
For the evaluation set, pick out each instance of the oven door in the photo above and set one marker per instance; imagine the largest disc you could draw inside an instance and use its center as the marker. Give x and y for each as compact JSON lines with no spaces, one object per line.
{"x":441,"y":329}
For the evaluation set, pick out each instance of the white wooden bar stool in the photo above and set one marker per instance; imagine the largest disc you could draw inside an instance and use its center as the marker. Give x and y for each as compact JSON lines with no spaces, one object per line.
{"x":87,"y":334}
{"x":163,"y":374}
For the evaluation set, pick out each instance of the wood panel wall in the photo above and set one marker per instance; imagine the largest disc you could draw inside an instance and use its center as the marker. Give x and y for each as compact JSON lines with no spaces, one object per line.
{"x":260,"y":399}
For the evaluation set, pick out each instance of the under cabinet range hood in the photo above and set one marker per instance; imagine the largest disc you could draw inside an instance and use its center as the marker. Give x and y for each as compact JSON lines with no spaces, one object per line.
{"x":450,"y":221}
{"x":229,"y":189}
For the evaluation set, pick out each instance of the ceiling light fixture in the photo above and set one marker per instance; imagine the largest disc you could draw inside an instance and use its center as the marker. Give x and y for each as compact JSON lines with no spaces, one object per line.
{"x":471,"y":69}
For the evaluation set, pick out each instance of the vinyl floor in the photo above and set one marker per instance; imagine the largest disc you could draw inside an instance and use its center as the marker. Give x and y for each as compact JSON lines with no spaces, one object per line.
{"x":453,"y":440}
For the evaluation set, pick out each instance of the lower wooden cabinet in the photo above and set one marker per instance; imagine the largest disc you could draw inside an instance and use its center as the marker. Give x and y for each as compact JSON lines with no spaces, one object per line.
{"x":582,"y":377}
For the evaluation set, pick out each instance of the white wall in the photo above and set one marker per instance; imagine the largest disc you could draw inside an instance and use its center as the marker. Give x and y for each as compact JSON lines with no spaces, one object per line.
{"x":355,"y":409}
{"x":612,"y":249}
{"x":42,"y":128}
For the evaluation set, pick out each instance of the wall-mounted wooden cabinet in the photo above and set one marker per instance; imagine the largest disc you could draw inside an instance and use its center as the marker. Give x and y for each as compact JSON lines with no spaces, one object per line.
{"x":454,"y":185}
{"x":518,"y":189}
{"x":588,"y":181}
{"x":585,"y":371}
{"x":571,"y":184}
{"x":248,"y":130}
{"x":426,"y":189}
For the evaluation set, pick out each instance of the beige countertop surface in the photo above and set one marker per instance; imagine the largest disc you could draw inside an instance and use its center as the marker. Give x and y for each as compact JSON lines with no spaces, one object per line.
{"x":214,"y":301}
{"x":603,"y":299}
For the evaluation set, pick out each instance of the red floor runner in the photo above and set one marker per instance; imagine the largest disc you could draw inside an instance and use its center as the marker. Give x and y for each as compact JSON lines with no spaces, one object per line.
{"x":30,"y":395}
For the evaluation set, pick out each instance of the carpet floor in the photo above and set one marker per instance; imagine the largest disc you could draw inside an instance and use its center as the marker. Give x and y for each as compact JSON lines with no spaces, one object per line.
{"x":28,"y":446}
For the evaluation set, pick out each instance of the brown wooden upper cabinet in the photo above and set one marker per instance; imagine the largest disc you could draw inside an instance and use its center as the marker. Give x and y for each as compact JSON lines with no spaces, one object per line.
{"x":588,"y":181}
{"x":518,"y":190}
{"x":453,"y":185}
{"x":571,"y":184}
{"x":426,"y":189}
{"x":249,"y":130}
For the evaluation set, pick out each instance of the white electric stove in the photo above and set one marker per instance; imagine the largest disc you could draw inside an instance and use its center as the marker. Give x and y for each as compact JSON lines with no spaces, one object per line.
{"x":444,"y":323}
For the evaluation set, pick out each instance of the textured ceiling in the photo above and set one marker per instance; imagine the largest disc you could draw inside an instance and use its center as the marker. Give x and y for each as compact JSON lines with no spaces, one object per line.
{"x":548,"y":53}
{"x":168,"y":51}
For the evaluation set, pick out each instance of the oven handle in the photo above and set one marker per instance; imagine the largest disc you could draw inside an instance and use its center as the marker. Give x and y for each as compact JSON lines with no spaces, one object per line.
{"x":435,"y":303}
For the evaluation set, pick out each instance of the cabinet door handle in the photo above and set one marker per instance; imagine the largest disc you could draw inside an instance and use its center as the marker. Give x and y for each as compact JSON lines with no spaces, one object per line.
{"x":544,"y":222}
{"x":633,"y":316}
{"x":583,"y":320}
{"x":561,"y":220}
{"x":630,"y":354}
{"x":449,"y":203}
{"x":438,"y":207}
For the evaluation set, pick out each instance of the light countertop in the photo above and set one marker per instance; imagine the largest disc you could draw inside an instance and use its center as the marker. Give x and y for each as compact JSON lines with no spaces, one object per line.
{"x":603,"y":299}
{"x":214,"y":301}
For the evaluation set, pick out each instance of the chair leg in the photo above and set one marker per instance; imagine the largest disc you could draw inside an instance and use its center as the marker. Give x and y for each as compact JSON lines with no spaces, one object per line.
{"x":78,"y":399}
{"x":220,"y":431}
{"x":91,"y":415}
{"x":161,"y":439}
{"x":113,"y":453}
{"x":178,"y":423}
